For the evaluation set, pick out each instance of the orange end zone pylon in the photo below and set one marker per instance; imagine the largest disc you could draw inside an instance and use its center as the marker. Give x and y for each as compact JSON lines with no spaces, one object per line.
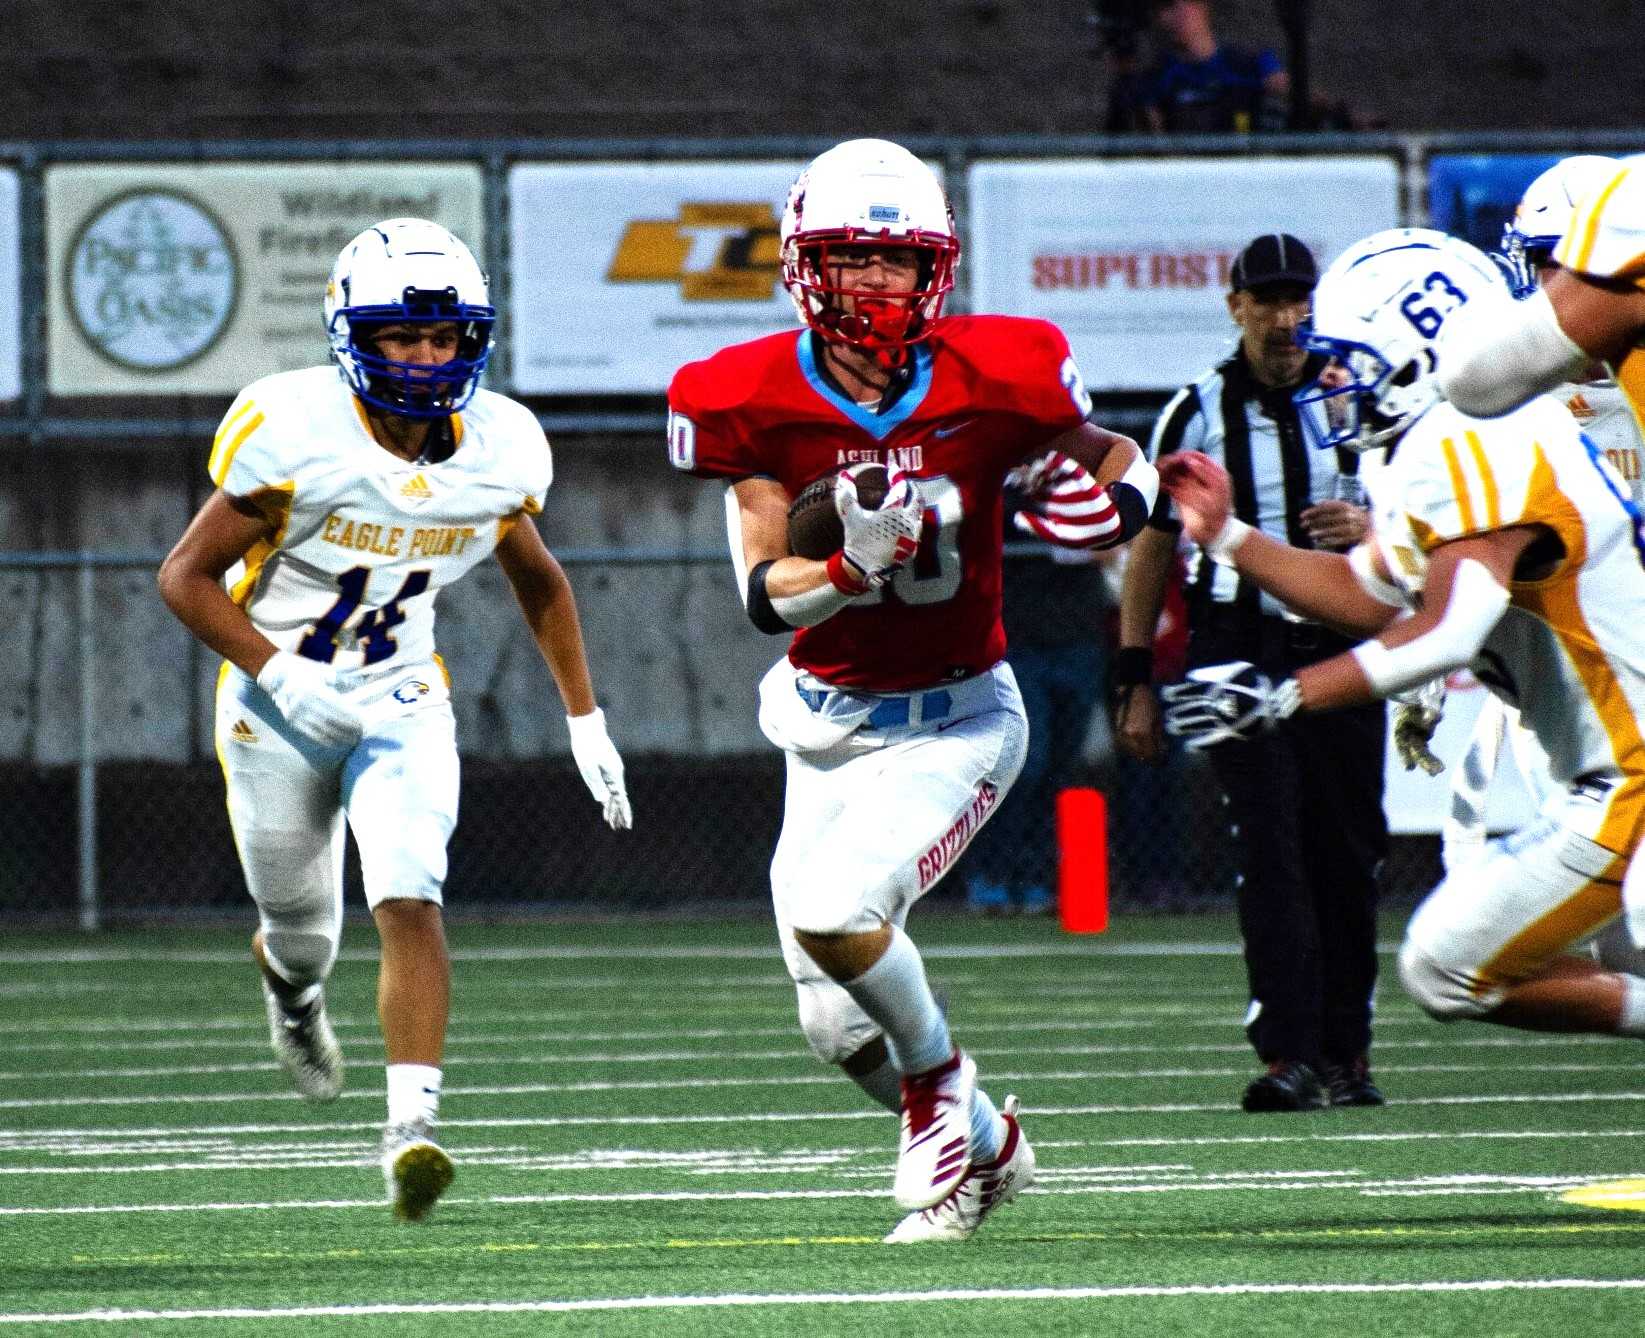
{"x":1082,"y":860}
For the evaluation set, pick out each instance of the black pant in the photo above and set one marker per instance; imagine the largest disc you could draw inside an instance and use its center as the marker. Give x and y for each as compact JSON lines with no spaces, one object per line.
{"x":1306,"y":805}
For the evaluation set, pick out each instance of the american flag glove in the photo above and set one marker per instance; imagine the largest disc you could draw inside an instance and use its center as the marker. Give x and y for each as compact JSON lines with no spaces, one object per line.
{"x":1065,"y":505}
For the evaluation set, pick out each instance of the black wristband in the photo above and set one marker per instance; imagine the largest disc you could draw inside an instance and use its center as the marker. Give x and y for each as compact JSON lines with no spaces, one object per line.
{"x":1132,"y":665}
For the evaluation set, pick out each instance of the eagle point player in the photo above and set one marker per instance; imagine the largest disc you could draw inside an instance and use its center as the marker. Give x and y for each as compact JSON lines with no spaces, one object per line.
{"x":1505,"y":544}
{"x":347,"y":497}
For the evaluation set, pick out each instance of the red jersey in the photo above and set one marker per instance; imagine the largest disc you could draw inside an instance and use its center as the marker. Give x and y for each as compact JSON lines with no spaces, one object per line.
{"x":985,"y":394}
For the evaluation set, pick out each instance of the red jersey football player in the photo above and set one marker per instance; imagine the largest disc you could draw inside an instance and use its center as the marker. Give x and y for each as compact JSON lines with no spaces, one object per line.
{"x":900,"y":720}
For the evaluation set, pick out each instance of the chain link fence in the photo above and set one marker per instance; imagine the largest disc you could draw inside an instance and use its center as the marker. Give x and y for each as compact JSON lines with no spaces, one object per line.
{"x":104,"y":838}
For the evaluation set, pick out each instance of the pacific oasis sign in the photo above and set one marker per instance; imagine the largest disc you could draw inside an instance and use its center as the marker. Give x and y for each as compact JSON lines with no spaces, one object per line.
{"x":152,"y":280}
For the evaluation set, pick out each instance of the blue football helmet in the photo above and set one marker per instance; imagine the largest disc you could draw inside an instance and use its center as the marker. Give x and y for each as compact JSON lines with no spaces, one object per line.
{"x":408,"y":270}
{"x":1378,"y":313}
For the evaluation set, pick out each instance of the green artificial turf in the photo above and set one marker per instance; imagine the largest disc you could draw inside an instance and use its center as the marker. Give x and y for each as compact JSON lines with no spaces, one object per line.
{"x":639,"y":1129}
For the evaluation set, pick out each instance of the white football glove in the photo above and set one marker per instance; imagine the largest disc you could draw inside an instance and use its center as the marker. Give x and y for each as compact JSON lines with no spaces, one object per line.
{"x":1417,"y":713}
{"x":1066,"y":504}
{"x":302,"y":690}
{"x":602,"y":769}
{"x":878,"y":542}
{"x":1228,"y":701}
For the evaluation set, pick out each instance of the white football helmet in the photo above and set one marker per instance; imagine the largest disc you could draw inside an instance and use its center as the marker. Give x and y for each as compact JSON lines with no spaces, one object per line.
{"x":866,"y":192}
{"x":1545,"y":212}
{"x":408,"y":270}
{"x":1378,"y":312}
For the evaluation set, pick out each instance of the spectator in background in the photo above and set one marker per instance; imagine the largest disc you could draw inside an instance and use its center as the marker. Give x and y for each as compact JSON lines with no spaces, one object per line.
{"x":1305,"y":801}
{"x":1053,"y":613}
{"x":1198,"y":84}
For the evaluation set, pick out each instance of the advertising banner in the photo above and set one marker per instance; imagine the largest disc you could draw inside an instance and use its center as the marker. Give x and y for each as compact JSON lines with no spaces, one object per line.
{"x":11,"y":348}
{"x":173,"y":279}
{"x":1474,"y":195}
{"x":621,"y":272}
{"x":1131,"y":256}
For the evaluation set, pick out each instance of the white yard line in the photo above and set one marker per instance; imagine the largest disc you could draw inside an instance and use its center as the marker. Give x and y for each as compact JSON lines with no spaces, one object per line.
{"x":96,"y":1039}
{"x":1083,"y":948}
{"x":549,"y":1089}
{"x":1226,"y":1182}
{"x":995,"y":1074}
{"x":10,"y":1137}
{"x":789,"y":1299}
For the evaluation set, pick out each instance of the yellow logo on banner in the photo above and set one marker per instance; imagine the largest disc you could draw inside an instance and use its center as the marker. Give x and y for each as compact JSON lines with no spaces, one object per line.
{"x":715,"y":252}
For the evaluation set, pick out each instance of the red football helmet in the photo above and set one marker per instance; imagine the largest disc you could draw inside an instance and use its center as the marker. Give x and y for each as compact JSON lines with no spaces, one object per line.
{"x":867,"y":192}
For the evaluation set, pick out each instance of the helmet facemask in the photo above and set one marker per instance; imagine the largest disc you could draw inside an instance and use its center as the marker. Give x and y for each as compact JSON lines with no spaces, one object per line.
{"x":880,"y":321}
{"x":1366,"y":402}
{"x":415,"y":389}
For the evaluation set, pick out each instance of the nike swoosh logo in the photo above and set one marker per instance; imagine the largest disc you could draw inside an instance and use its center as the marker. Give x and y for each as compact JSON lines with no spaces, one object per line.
{"x":952,"y":429}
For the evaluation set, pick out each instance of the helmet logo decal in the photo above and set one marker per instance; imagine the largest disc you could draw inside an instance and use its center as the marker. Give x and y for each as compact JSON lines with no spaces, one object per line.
{"x":153,"y":280}
{"x":884,"y":213}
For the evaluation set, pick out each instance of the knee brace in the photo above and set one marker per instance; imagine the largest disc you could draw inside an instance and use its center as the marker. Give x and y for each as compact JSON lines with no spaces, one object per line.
{"x":300,"y":956}
{"x":835,"y":1028}
{"x":1440,"y":989}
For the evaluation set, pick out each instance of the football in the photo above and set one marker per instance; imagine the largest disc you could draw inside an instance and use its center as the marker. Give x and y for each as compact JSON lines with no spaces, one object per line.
{"x":814,"y":528}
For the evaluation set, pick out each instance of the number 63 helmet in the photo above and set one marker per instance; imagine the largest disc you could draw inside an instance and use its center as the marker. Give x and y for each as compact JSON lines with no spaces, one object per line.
{"x":1378,"y":314}
{"x":408,"y":270}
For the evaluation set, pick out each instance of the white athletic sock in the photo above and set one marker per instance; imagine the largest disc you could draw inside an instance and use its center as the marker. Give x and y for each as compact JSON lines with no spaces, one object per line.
{"x":987,"y":1128}
{"x":1632,"y":1021}
{"x":413,"y":1093}
{"x":895,"y":994}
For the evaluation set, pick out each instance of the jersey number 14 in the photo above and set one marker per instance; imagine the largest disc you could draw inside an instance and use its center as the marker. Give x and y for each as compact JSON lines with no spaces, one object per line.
{"x":374,"y":633}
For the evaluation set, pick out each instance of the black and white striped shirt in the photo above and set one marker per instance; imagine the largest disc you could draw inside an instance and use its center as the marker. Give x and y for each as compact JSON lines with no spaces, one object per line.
{"x":1255,"y":432}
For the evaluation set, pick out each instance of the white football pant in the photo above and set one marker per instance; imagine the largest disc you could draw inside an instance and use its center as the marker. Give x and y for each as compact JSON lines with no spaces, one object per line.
{"x":871,"y":824}
{"x":1533,"y":896}
{"x":288,"y":798}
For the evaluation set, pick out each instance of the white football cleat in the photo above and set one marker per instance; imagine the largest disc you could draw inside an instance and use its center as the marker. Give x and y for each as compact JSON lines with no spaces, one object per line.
{"x":934,"y":1152}
{"x":416,"y":1170}
{"x":306,"y":1048}
{"x":990,"y":1185}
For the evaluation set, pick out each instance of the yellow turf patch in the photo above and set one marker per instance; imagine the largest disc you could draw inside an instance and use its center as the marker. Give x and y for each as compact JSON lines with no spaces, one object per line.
{"x":1627,"y":1195}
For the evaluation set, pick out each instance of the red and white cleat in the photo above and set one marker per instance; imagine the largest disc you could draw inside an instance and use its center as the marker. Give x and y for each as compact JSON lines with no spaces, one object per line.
{"x":989,"y":1185}
{"x":934,"y":1152}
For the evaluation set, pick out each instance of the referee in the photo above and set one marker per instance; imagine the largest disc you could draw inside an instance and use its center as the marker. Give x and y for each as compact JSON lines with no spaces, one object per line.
{"x":1305,"y":801}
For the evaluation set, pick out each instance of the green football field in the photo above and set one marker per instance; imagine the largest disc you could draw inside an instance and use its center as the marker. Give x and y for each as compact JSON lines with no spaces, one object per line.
{"x":644,"y":1146}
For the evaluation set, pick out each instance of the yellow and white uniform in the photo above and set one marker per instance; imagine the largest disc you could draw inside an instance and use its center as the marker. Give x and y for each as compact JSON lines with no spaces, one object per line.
{"x":1606,"y":418}
{"x":1602,"y":413}
{"x":1606,"y":240}
{"x":1569,"y":653}
{"x":363,"y":542}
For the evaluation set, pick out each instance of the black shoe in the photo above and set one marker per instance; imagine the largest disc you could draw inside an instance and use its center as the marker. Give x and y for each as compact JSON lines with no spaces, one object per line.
{"x":1350,"y":1084}
{"x":1289,"y":1084}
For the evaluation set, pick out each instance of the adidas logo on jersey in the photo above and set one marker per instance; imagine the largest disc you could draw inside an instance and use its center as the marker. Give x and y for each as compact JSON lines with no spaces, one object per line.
{"x":416,"y":488}
{"x":242,"y":732}
{"x":1579,"y":406}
